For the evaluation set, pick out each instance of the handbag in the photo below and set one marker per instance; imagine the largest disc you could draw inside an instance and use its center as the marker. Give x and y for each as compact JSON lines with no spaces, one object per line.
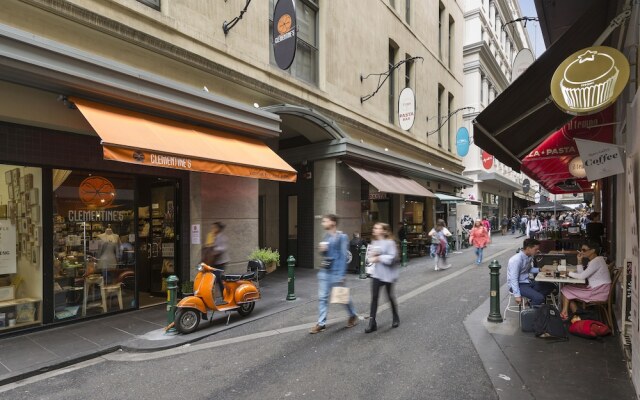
{"x":369,"y":269}
{"x":339,"y":295}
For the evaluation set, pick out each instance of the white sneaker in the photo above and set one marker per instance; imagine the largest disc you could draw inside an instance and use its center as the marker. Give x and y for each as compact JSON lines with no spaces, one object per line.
{"x":436,"y":268}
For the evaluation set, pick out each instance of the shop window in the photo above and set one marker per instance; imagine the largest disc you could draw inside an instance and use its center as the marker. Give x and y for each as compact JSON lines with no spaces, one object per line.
{"x":94,"y":243}
{"x":305,"y":64}
{"x":20,"y":247}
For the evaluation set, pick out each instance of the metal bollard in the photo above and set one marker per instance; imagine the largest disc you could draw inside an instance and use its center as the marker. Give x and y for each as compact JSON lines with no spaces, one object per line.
{"x":363,"y":253}
{"x":172,"y":292}
{"x":494,"y":309}
{"x":291,"y":290}
{"x":403,"y":263}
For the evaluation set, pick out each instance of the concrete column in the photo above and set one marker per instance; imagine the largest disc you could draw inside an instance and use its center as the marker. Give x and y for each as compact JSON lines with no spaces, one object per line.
{"x":233,"y":201}
{"x":485,"y":91}
{"x":324,"y":198}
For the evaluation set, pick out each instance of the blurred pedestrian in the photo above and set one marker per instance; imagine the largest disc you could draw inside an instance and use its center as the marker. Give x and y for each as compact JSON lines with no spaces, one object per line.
{"x":504,"y":224}
{"x":439,"y":236}
{"x":215,"y":254}
{"x":333,"y":249}
{"x":479,"y":238}
{"x":384,"y":256}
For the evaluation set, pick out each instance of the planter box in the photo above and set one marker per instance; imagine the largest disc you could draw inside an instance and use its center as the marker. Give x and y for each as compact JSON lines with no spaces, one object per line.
{"x":271,"y":267}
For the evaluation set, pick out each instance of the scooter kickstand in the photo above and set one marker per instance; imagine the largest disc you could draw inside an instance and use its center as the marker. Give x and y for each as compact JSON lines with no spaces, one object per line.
{"x":210,"y":317}
{"x":228,"y":317}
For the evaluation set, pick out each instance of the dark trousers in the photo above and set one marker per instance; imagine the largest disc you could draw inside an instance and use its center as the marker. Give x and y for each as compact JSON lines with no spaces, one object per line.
{"x":375,"y":293}
{"x":218,"y":273}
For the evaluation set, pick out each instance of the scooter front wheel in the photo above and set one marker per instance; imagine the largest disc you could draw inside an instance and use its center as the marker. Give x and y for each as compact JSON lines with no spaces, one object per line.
{"x":187,"y":320}
{"x":246,"y":308}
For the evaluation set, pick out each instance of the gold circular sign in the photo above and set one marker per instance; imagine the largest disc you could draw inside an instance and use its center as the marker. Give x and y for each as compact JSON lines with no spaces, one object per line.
{"x":97,"y":191}
{"x":589,"y":80}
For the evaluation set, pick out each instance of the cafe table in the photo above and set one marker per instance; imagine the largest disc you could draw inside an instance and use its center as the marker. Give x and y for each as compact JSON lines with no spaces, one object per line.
{"x":561,"y":281}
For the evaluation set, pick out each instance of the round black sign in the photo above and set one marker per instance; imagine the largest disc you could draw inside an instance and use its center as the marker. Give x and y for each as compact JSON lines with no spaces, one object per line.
{"x":284,"y":33}
{"x":526,"y":185}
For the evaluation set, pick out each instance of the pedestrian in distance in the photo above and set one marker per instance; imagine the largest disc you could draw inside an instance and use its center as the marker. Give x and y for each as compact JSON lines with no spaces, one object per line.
{"x":486,"y":224}
{"x":479,"y":238}
{"x":439,"y":236}
{"x":504,"y":224}
{"x":534,"y":226}
{"x":333,"y":250}
{"x":384,"y":256}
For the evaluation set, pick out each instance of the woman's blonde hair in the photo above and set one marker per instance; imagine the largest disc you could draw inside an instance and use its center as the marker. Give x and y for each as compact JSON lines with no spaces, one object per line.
{"x":386,"y":228}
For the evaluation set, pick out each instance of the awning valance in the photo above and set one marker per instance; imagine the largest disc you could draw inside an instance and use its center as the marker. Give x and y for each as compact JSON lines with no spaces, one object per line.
{"x":447,"y":198}
{"x":523,"y":115}
{"x":388,"y":183}
{"x":144,"y":139}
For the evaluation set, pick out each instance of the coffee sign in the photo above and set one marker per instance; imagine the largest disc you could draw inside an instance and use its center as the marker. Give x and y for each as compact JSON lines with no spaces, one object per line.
{"x":600,"y":160}
{"x":284,"y":33}
{"x":406,"y":108}
{"x":590,"y":80}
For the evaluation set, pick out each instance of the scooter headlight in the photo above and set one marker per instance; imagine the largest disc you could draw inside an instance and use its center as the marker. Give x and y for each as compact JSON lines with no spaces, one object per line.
{"x":200,"y":267}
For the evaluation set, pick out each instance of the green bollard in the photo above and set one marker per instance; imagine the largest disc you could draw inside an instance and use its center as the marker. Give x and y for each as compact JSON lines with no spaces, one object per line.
{"x":291,"y":291}
{"x":404,"y":253}
{"x":172,"y":292}
{"x":494,"y":311}
{"x":363,"y":253}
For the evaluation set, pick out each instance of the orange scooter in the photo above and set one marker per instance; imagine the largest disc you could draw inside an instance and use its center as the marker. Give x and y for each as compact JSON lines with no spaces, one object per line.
{"x":240,"y":293}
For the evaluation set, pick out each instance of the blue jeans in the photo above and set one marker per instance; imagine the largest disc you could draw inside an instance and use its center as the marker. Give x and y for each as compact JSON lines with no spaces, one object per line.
{"x":536,"y":291}
{"x":479,"y":251}
{"x":325,"y":282}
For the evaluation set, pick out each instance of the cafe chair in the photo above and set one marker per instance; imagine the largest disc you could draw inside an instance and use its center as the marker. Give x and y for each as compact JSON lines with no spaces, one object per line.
{"x":605,"y":307}
{"x":515,"y":307}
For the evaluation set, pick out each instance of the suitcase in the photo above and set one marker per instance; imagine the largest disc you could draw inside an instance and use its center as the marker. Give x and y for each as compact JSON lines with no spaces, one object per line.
{"x":527,"y":316}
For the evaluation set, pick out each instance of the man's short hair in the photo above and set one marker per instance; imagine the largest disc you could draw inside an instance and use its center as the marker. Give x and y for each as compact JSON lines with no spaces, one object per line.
{"x":331,"y":217}
{"x":528,"y":243}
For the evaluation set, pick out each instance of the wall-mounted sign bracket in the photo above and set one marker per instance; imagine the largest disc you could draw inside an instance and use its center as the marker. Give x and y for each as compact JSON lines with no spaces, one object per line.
{"x":525,"y":19}
{"x":227,"y":26}
{"x":382,"y":77}
{"x":447,"y":118}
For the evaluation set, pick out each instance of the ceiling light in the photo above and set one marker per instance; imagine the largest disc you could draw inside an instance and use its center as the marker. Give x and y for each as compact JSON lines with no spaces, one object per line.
{"x":256,"y":105}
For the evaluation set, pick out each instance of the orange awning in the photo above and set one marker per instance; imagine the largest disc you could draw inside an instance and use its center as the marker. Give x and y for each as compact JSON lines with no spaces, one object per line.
{"x":137,"y":138}
{"x":392,"y":183}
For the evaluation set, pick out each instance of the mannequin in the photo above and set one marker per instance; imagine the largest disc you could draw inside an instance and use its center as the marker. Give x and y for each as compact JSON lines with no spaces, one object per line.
{"x":109,"y":250}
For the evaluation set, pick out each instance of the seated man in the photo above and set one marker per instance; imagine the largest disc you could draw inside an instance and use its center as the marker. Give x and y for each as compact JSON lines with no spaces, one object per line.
{"x":520,"y":265}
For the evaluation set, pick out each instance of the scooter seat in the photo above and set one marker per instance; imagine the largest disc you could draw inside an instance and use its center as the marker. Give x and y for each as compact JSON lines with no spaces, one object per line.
{"x":242,"y":277}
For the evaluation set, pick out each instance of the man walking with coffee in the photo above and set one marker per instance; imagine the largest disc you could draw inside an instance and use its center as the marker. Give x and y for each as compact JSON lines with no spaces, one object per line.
{"x":333,"y":249}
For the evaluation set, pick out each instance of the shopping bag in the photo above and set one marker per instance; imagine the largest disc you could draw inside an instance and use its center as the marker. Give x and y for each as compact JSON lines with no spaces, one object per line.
{"x":339,"y":295}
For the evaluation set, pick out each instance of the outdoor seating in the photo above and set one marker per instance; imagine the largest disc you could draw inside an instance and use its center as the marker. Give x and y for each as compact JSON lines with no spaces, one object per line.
{"x":516,"y":307}
{"x":605,"y":306}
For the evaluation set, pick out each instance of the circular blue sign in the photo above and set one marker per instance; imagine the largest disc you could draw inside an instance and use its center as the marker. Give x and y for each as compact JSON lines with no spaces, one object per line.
{"x":462,"y":141}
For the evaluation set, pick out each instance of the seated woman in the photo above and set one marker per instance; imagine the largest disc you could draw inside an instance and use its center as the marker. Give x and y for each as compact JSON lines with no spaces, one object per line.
{"x":599,"y":280}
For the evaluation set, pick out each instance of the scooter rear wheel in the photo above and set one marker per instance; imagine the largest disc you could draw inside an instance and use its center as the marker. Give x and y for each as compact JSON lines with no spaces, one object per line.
{"x":187,"y":320}
{"x":246,"y":308}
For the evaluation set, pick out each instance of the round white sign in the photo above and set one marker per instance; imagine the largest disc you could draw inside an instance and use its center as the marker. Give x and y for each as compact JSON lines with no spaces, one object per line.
{"x":521,"y":62}
{"x":406,"y":108}
{"x":536,"y":198}
{"x":576,"y":168}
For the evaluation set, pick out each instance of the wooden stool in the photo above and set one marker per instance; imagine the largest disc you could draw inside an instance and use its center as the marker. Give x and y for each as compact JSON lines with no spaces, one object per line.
{"x":89,"y":281}
{"x":106,"y":290}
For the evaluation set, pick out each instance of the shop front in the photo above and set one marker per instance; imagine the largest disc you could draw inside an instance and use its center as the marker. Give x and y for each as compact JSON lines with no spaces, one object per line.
{"x":110,"y":186}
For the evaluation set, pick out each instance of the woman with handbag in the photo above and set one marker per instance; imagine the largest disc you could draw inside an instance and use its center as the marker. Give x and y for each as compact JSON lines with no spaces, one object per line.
{"x":479,"y":238}
{"x":383,"y":255}
{"x":439,"y":235}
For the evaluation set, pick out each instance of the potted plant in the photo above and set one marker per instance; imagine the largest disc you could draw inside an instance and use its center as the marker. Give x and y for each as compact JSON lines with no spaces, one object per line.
{"x":270,"y":258}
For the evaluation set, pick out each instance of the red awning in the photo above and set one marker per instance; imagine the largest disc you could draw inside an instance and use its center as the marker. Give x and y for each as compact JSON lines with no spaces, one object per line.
{"x":548,"y":163}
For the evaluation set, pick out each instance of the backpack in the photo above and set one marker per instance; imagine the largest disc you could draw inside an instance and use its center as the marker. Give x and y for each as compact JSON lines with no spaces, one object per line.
{"x":589,"y":329}
{"x":548,"y":324}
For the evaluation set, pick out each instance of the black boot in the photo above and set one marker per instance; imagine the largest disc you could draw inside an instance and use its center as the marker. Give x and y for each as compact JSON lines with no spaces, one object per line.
{"x":396,"y":321}
{"x":372,"y":326}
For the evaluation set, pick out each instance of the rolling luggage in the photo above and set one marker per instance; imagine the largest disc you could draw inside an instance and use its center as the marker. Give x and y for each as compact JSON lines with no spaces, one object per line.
{"x":527,"y":316}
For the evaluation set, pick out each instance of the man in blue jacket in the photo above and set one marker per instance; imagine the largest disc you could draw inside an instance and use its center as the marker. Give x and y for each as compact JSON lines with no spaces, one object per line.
{"x":334,"y":267}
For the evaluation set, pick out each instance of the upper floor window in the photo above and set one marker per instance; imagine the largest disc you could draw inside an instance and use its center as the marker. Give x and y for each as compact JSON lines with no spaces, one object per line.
{"x":393,"y":49}
{"x":305,"y":64}
{"x":450,"y":133}
{"x":440,"y":22}
{"x":451,"y":40}
{"x":393,"y":3}
{"x":408,"y":11}
{"x":408,"y":70}
{"x":151,"y":3}
{"x":440,"y":116}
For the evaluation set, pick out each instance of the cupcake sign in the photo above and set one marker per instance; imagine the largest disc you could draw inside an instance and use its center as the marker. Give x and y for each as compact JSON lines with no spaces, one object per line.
{"x":589,"y":80}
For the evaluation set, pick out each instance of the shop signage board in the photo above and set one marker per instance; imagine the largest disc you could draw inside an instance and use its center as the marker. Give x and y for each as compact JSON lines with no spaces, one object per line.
{"x":195,"y":234}
{"x":536,"y":198}
{"x":406,"y":108}
{"x":523,"y":60}
{"x":8,"y":258}
{"x":285,"y":33}
{"x":589,"y":80}
{"x":526,"y":186}
{"x":487,"y":160}
{"x":600,"y":160}
{"x":462,"y":141}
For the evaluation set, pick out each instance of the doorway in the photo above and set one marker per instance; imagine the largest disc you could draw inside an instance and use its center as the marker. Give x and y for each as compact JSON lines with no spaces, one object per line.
{"x":158,"y":239}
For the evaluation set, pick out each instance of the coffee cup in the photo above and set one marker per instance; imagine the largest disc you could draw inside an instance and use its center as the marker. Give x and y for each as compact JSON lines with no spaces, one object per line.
{"x":563,"y":262}
{"x":323,"y":246}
